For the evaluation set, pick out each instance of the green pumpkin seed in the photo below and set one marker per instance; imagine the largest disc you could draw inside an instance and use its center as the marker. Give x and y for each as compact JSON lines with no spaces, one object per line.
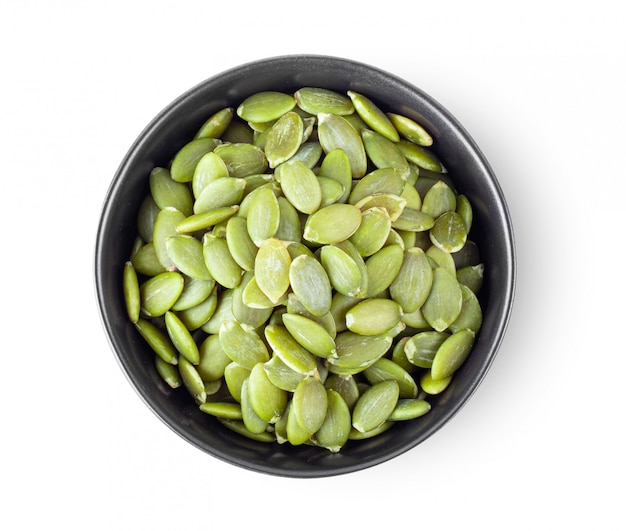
{"x":467,"y":256}
{"x":265,"y":106}
{"x":244,"y":314}
{"x":346,"y":386}
{"x":420,"y":156}
{"x":332,"y":224}
{"x":251,"y":420}
{"x":373,"y":116}
{"x":372,"y":317}
{"x":300,"y":186}
{"x":186,"y":254}
{"x":210,"y":168}
{"x":158,"y":341}
{"x":240,"y":244}
{"x":472,"y":276}
{"x":281,"y":375}
{"x":310,"y":284}
{"x":146,"y":217}
{"x":441,"y":259}
{"x":413,"y":220}
{"x":326,"y":320}
{"x":356,"y":352}
{"x":464,"y":209}
{"x":448,"y":232}
{"x":421,"y":348}
{"x":410,"y":129}
{"x":207,"y":219}
{"x":439,"y":198}
{"x":386,"y":369}
{"x":373,"y":231}
{"x":166,"y":192}
{"x":223,"y":312}
{"x":191,"y":380}
{"x":398,"y":355}
{"x":336,"y":166}
{"x":220,"y":262}
{"x":471,"y":315}
{"x":290,"y":226}
{"x":340,"y":305}
{"x":239,"y":428}
{"x":380,"y":181}
{"x":315,"y":100}
{"x":356,"y":435}
{"x":185,"y":161}
{"x":375,"y":406}
{"x":309,"y":404}
{"x":383,"y":268}
{"x":296,"y":434}
{"x":267,"y":400}
{"x":223,"y":192}
{"x":335,"y":132}
{"x":181,"y":338}
{"x":132,"y":296}
{"x":289,"y":350}
{"x":284,"y":139}
{"x":410,"y":408}
{"x":234,"y":376}
{"x":452,"y":354}
{"x":272,"y":265}
{"x":216,"y":124}
{"x":331,"y":189}
{"x":168,"y":372}
{"x":253,"y":297}
{"x":344,"y":273}
{"x":413,"y":282}
{"x":225,"y":410}
{"x":213,"y":359}
{"x":384,"y":153}
{"x":434,"y":387}
{"x":309,"y":153}
{"x":238,"y":132}
{"x":241,"y":345}
{"x":263,"y":218}
{"x":242,"y":159}
{"x":197,"y":316}
{"x":393,"y":204}
{"x":444,"y":301}
{"x":335,"y":430}
{"x":159,"y":293}
{"x":310,"y":335}
{"x":165,"y":227}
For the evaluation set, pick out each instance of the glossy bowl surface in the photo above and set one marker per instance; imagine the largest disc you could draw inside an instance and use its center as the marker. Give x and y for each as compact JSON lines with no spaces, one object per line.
{"x":175,"y":126}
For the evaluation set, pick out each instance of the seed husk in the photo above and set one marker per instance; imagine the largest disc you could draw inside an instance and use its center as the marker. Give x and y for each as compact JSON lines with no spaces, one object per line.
{"x":375,"y":406}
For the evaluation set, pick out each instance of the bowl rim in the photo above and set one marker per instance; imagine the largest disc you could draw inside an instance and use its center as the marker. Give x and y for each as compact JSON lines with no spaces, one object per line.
{"x":469,"y":145}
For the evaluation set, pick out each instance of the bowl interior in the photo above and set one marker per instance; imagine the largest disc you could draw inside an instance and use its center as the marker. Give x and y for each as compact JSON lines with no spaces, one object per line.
{"x":174,"y":127}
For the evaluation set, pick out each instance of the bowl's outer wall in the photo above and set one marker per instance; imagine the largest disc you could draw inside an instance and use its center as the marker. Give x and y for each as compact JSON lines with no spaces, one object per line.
{"x":174,"y":127}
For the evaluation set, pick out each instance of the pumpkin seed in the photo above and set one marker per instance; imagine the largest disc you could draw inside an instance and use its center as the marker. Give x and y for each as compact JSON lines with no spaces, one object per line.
{"x":213,"y":359}
{"x":441,"y":258}
{"x":308,"y":153}
{"x":158,"y":341}
{"x":166,"y":192}
{"x":309,"y":404}
{"x":263,"y":219}
{"x":267,"y":400}
{"x":191,"y":380}
{"x":240,"y":244}
{"x":187,"y":255}
{"x":421,"y":348}
{"x":386,"y":369}
{"x":300,"y":186}
{"x":244,"y":314}
{"x":356,"y":352}
{"x":346,"y":386}
{"x":448,"y":232}
{"x":439,"y":198}
{"x":444,"y":301}
{"x":452,"y":354}
{"x":420,"y":156}
{"x":413,"y":283}
{"x":168,"y":372}
{"x":464,"y":209}
{"x":219,"y":262}
{"x":222,"y":192}
{"x":310,"y":284}
{"x":384,"y":153}
{"x":379,"y":181}
{"x":196,"y":316}
{"x":251,"y":420}
{"x":216,"y":124}
{"x":289,"y":350}
{"x":410,"y":129}
{"x":332,"y":224}
{"x":132,"y":296}
{"x":393,"y":204}
{"x":336,"y":166}
{"x":181,"y":338}
{"x":159,"y":293}
{"x":164,"y":228}
{"x":272,"y":269}
{"x":239,"y":428}
{"x":310,"y":335}
{"x":472,"y":276}
{"x":375,"y":406}
{"x":373,"y":116}
{"x":434,"y":387}
{"x":186,"y":159}
{"x":281,"y":375}
{"x":234,"y":376}
{"x":331,"y":189}
{"x":373,"y":231}
{"x":372,"y":317}
{"x":335,"y":430}
{"x":290,"y":226}
{"x":265,"y":106}
{"x":284,"y":139}
{"x":315,"y":100}
{"x":383,"y":268}
{"x":345,"y":275}
{"x":334,"y":132}
{"x":242,"y":159}
{"x":146,"y":217}
{"x":410,"y":408}
{"x":242,"y":346}
{"x":413,"y":220}
{"x":471,"y":315}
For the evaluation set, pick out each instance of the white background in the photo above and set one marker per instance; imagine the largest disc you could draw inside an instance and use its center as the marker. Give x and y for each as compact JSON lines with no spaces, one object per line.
{"x":541,"y":88}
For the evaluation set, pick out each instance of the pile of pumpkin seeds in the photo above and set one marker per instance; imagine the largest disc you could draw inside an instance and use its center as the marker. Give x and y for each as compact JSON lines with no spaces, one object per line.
{"x":303,"y":268}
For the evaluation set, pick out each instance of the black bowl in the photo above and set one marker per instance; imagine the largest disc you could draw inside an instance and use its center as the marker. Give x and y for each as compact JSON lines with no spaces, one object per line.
{"x":175,"y":126}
